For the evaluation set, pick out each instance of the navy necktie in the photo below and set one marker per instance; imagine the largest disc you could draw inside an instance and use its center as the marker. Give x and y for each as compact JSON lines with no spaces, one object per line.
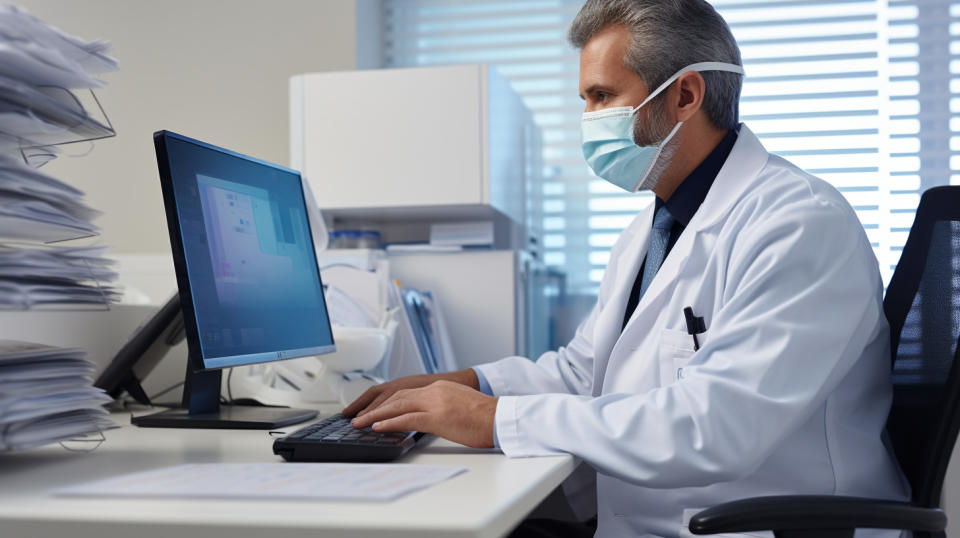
{"x":657,"y":251}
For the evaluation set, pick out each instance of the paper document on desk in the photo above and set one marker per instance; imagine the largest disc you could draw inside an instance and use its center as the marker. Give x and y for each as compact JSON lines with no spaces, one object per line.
{"x":286,"y":481}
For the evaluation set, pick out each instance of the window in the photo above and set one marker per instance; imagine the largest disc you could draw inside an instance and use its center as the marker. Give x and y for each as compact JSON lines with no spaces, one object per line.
{"x":854,"y":91}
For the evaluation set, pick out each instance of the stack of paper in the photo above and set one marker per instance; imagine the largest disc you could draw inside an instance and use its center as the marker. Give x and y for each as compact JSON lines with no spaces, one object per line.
{"x":45,"y":77}
{"x":37,"y":207}
{"x":45,"y":275}
{"x":47,"y":395}
{"x":40,"y":67}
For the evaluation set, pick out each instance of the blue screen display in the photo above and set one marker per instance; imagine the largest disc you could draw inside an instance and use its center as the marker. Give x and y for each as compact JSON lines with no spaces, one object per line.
{"x":250,"y":260}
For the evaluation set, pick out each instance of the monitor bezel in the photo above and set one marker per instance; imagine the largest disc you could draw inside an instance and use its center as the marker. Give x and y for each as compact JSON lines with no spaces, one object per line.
{"x":191,"y":325}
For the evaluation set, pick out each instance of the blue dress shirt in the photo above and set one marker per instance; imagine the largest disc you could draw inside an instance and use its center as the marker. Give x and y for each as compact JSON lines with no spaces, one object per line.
{"x":485,"y":388}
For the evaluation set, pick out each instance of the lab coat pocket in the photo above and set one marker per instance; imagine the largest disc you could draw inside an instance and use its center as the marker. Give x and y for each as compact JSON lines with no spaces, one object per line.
{"x":673,"y":353}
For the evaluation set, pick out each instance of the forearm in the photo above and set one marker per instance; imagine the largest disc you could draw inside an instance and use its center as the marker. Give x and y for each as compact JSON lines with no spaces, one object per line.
{"x":551,"y":373}
{"x":377,"y":394}
{"x":466,"y":377}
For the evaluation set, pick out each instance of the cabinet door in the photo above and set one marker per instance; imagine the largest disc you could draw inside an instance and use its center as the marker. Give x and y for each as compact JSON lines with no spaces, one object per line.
{"x":477,"y":292}
{"x":392,"y":138}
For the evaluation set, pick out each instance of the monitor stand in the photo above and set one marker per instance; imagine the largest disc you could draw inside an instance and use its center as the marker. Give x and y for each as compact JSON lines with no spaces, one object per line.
{"x":202,"y":409}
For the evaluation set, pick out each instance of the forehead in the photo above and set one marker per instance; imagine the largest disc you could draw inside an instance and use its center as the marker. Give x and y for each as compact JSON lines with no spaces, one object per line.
{"x":602,"y":56}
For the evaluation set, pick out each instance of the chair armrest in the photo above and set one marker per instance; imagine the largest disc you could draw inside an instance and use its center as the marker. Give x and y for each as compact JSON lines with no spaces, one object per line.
{"x":810,"y":512}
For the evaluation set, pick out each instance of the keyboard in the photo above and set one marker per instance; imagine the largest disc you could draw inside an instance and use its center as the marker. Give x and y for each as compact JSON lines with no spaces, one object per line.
{"x":335,"y":439}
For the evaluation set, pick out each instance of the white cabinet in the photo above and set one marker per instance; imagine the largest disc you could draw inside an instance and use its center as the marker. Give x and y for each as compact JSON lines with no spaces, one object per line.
{"x":399,"y":149}
{"x":496,"y":303}
{"x":438,"y":143}
{"x":481,"y":294}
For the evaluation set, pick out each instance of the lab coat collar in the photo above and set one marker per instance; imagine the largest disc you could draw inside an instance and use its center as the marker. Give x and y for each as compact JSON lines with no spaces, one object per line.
{"x":692,"y":191}
{"x":741,"y":169}
{"x":737,"y":175}
{"x":624,"y":273}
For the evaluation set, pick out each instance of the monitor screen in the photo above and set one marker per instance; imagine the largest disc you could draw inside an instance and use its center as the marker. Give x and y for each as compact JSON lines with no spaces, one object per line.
{"x":246,"y":256}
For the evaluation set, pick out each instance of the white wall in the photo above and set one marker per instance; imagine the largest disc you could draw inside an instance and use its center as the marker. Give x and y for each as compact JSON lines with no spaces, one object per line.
{"x":213,"y":70}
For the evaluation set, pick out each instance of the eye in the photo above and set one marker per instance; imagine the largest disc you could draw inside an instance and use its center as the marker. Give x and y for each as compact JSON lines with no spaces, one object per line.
{"x":602,"y":96}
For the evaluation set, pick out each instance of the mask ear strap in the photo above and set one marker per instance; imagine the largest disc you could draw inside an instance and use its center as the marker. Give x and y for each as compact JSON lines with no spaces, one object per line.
{"x":702,"y":66}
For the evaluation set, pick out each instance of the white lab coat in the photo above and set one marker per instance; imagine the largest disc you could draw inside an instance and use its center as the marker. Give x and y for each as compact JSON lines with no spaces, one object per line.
{"x":788,"y":393}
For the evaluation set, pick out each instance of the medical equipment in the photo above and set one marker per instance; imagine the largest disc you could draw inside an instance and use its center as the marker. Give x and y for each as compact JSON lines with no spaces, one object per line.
{"x":337,"y":378}
{"x":378,"y":338}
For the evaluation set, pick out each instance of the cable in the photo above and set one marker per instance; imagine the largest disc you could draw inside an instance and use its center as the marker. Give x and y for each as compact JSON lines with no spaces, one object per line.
{"x":130,"y":401}
{"x":229,"y":391}
{"x":164,"y":391}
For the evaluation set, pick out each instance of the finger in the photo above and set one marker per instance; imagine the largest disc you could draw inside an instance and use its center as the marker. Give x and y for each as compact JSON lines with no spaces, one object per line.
{"x":388,"y":397}
{"x":385,"y":411}
{"x":416,"y":421}
{"x":362,"y":402}
{"x":377,"y":402}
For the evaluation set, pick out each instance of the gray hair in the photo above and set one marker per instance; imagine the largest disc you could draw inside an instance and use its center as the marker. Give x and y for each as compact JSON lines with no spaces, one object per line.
{"x":668,"y":35}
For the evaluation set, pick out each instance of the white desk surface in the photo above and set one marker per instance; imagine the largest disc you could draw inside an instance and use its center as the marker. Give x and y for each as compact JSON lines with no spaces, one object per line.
{"x":487,"y":501}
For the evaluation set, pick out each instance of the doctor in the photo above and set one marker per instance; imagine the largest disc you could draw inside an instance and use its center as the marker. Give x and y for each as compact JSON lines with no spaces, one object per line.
{"x":783,"y":387}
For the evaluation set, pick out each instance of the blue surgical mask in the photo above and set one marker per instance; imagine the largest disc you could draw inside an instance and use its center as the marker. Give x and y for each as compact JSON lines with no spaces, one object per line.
{"x":608,"y":144}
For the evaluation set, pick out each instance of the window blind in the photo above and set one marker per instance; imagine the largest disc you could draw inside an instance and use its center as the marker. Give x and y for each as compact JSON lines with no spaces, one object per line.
{"x":854,"y":91}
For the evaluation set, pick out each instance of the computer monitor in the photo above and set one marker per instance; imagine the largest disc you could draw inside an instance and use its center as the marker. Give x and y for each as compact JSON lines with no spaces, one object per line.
{"x":247,"y":275}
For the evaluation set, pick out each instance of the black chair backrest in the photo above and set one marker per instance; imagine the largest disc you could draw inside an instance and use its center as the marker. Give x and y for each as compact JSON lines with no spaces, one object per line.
{"x":922,"y":305}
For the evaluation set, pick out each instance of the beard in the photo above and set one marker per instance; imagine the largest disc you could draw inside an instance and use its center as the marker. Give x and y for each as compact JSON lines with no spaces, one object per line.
{"x":657,"y":128}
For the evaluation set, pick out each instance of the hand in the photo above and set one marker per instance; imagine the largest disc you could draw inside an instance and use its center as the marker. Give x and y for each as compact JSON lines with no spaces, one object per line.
{"x":374,"y":396}
{"x":448,"y":409}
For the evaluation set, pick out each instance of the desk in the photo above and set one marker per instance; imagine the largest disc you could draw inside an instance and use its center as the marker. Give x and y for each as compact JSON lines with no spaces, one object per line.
{"x":487,"y":501}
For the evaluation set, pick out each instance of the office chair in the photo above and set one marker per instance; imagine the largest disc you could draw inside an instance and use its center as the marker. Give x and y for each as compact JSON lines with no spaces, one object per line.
{"x":922,"y":305}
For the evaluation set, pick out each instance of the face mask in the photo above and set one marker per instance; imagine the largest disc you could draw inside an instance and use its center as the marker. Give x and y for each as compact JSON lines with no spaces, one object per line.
{"x":608,"y":144}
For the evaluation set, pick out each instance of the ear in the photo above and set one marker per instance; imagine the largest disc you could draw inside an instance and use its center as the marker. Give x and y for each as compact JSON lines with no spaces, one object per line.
{"x":689,"y":88}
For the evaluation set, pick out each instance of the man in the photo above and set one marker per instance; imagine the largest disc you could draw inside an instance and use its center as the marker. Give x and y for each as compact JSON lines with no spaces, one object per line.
{"x":781,"y":388}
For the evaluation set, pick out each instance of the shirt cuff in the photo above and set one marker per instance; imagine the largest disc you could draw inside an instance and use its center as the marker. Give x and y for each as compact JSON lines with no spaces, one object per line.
{"x":485,"y":388}
{"x":483,"y":383}
{"x":505,"y":424}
